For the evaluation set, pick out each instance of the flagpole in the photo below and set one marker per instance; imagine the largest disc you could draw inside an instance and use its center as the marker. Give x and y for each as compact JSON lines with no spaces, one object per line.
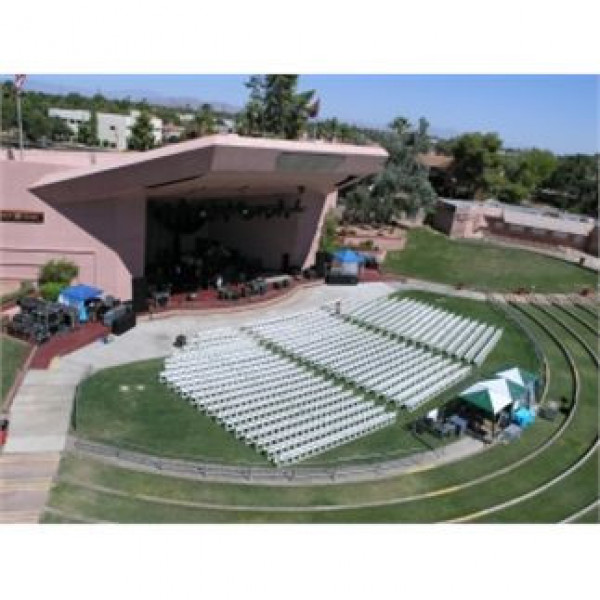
{"x":20,"y":124}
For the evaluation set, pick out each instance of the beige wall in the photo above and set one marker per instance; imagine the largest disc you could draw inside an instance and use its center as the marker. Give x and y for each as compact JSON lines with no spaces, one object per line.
{"x":24,"y":247}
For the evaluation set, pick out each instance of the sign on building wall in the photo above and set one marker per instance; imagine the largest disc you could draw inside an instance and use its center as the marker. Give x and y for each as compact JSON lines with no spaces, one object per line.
{"x":21,"y":216}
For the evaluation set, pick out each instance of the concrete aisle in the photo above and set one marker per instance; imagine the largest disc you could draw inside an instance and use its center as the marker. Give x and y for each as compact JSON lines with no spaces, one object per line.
{"x":25,"y":481}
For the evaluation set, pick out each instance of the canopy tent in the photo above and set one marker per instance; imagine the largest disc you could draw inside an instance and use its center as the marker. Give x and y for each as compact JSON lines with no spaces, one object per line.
{"x":519,"y":376}
{"x":493,"y":395}
{"x":347,"y":256}
{"x":346,"y":263}
{"x":76,"y":295}
{"x":80,"y":293}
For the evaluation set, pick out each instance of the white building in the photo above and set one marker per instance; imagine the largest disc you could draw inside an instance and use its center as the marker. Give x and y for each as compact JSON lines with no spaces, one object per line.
{"x":115,"y":130}
{"x":73,"y":118}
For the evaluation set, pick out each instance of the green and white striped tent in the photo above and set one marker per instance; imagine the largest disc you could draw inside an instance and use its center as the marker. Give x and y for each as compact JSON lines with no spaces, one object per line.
{"x":519,"y":376}
{"x":494,"y":395}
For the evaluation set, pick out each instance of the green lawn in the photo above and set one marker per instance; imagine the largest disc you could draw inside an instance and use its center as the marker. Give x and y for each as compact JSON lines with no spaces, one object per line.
{"x":123,"y":496}
{"x":12,"y":356}
{"x":157,"y":421}
{"x":433,"y":256}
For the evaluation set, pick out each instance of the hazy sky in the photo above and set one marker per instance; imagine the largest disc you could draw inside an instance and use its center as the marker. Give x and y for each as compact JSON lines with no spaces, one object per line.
{"x":558,"y":112}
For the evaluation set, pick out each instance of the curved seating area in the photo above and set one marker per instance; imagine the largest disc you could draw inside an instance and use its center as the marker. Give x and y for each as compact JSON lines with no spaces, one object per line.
{"x":267,"y":400}
{"x":418,"y":323}
{"x":276,"y":384}
{"x":394,"y":370}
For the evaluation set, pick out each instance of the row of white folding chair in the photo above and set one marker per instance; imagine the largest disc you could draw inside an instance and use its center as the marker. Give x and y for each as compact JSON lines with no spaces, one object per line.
{"x":439,"y":387}
{"x":233,"y":355}
{"x":383,"y":311}
{"x":386,"y":359}
{"x":415,"y":381}
{"x":429,"y":324}
{"x":424,"y":383}
{"x":330,"y":345}
{"x":472,"y":339}
{"x":331,"y":441}
{"x":483,"y":353}
{"x":320,"y":432}
{"x":393,"y":369}
{"x":250,"y":362}
{"x":398,"y":321}
{"x":344,"y":352}
{"x":349,"y":340}
{"x":217,"y":374}
{"x":266,"y":387}
{"x":318,"y":428}
{"x":265,"y":395}
{"x":326,"y":422}
{"x":453,"y":347}
{"x":254,"y":417}
{"x":400,"y":317}
{"x":228,"y":378}
{"x":364,"y":307}
{"x":452,"y":330}
{"x":279,"y":400}
{"x":434,"y":337}
{"x":479,"y":343}
{"x":406,"y":378}
{"x":239,"y":389}
{"x":378,"y":306}
{"x":294,"y":415}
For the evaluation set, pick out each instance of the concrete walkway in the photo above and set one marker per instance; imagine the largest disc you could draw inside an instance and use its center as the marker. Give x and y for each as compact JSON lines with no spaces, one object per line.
{"x":25,"y":480}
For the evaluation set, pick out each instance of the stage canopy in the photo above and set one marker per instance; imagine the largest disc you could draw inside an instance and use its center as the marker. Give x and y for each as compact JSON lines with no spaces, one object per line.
{"x":493,"y":395}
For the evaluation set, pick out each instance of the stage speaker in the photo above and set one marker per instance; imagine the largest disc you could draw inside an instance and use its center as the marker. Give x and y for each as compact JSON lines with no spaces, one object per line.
{"x":124,"y":323}
{"x":322,"y":260}
{"x":140,"y":294}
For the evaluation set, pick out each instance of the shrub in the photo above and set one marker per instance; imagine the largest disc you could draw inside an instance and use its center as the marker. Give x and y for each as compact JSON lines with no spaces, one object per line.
{"x":25,"y":289}
{"x":58,"y":271}
{"x":50,"y":290}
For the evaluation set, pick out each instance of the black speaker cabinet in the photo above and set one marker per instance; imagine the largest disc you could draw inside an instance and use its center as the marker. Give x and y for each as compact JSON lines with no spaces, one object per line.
{"x":140,"y":294}
{"x":124,"y":323}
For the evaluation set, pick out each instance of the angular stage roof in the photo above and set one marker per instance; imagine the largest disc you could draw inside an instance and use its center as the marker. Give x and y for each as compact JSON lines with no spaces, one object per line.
{"x":216,"y":164}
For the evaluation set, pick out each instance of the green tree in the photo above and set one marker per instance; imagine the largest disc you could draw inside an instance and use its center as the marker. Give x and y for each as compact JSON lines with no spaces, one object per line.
{"x":477,"y":164}
{"x":403,"y":186}
{"x":573,"y":185}
{"x":204,"y":123}
{"x":60,"y":131}
{"x":275,"y":107}
{"x":328,"y":233}
{"x":142,"y":135}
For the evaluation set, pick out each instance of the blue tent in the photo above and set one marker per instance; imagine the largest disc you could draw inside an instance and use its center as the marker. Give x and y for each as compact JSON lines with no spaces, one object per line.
{"x":523,"y":417}
{"x":76,"y":295}
{"x":348,"y":256}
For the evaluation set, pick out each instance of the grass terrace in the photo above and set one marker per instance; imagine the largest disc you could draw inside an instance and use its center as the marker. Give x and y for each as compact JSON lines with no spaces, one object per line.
{"x":12,"y":356}
{"x":481,"y":265}
{"x":88,"y":489}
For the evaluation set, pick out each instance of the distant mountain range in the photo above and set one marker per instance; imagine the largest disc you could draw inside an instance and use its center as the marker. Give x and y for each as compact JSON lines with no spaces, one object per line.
{"x":135,"y":94}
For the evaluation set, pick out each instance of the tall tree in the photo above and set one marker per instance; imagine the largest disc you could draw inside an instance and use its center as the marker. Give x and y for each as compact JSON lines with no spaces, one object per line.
{"x":573,"y":185}
{"x":204,"y":123}
{"x":275,"y":107}
{"x":142,"y":134}
{"x":403,"y":186}
{"x":477,"y":167}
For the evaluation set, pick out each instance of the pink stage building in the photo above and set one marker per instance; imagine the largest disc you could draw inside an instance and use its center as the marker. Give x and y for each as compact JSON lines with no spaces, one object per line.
{"x":109,"y":212}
